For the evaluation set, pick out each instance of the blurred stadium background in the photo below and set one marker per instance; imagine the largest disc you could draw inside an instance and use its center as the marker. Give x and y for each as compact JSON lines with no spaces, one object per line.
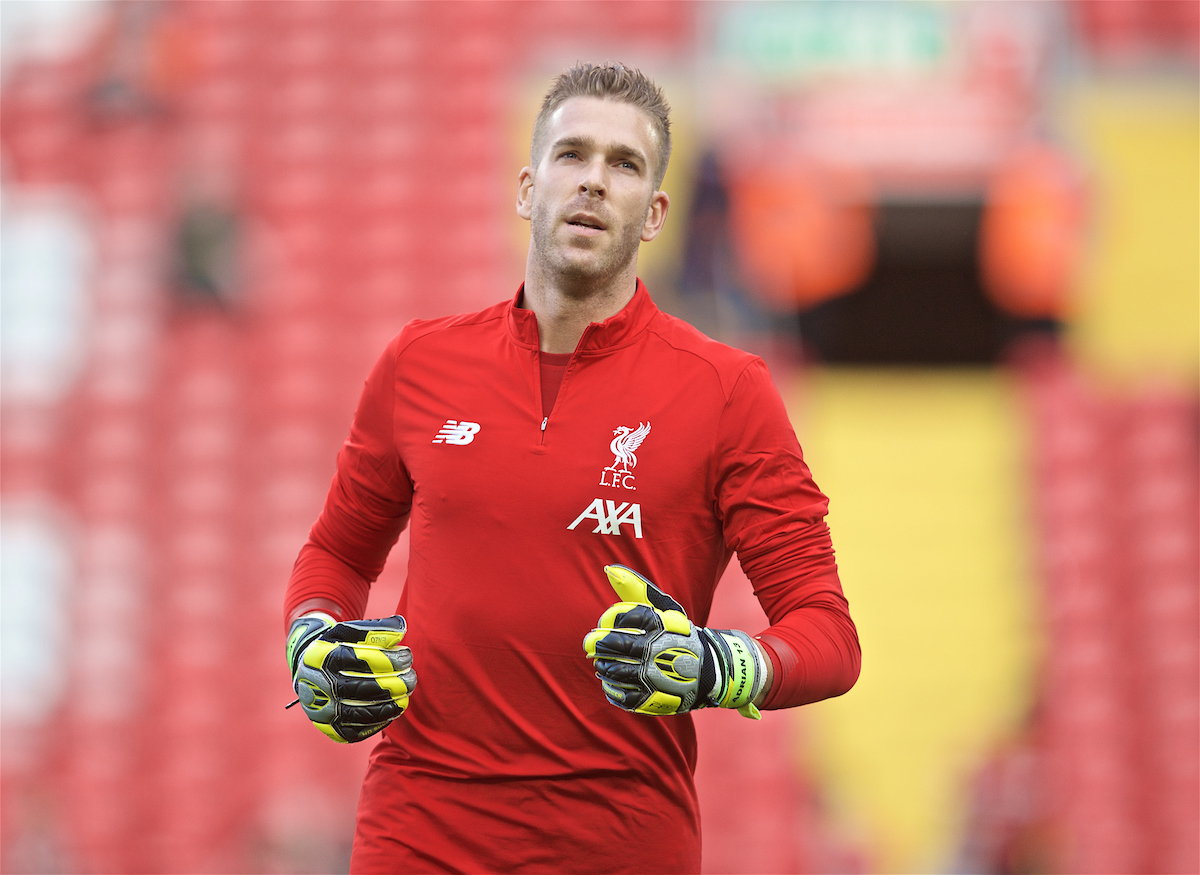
{"x":963,"y":235}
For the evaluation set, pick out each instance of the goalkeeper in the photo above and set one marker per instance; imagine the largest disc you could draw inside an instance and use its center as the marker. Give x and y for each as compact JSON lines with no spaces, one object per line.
{"x":576,"y":469}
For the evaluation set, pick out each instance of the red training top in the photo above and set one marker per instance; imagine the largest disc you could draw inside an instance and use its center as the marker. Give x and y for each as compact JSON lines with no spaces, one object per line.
{"x":664,"y":451}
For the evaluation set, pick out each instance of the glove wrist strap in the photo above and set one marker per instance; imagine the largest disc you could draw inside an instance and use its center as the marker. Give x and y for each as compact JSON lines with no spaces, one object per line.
{"x":743,"y":671}
{"x":305,"y":629}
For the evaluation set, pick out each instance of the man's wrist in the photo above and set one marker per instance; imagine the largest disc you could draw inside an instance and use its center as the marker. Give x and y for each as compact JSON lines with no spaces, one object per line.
{"x":317,"y":605}
{"x":769,"y":668}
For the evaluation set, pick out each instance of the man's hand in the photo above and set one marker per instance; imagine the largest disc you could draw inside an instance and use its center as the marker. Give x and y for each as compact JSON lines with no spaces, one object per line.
{"x":652,"y":659}
{"x":353,"y":678}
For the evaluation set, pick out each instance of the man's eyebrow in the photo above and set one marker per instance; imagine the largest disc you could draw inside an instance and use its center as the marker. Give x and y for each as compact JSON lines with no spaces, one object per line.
{"x":590,"y":143}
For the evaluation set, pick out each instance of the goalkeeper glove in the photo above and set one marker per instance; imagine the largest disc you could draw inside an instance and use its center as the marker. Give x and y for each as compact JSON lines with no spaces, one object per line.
{"x":651,"y":659}
{"x":352,"y":678}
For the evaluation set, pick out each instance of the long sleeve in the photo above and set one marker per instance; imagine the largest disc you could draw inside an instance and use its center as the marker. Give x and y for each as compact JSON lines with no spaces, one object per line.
{"x":774,"y":519}
{"x":366,"y":509}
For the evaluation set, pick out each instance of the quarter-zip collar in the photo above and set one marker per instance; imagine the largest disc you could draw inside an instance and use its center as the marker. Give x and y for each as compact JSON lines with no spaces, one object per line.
{"x":620,"y":329}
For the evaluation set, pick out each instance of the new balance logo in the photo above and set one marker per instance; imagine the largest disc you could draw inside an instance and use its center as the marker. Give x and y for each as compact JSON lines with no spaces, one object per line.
{"x":455,"y":432}
{"x":610,"y":516}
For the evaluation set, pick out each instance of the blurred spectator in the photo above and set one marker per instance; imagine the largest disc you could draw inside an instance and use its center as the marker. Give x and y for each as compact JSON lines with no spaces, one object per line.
{"x":1031,"y":236}
{"x":206,"y":254}
{"x":207,"y":265}
{"x":144,"y":57}
{"x":1008,"y":830}
{"x":803,"y":233}
{"x":713,"y":283}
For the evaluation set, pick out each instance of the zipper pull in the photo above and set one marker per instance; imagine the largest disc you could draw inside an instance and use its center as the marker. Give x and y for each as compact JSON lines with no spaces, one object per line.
{"x":545,"y":419}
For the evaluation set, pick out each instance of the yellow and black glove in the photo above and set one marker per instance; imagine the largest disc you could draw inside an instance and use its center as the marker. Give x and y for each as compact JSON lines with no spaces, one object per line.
{"x":353,"y":678}
{"x":651,"y":659}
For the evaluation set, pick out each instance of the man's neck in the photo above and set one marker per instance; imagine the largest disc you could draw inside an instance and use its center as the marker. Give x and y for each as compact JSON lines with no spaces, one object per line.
{"x":564,"y":311}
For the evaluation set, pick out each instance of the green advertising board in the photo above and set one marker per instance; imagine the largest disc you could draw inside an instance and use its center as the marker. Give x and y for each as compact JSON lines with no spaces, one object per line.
{"x":834,"y":37}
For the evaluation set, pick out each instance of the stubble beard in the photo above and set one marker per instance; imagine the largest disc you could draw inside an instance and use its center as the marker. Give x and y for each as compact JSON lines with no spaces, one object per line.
{"x":581,"y":276}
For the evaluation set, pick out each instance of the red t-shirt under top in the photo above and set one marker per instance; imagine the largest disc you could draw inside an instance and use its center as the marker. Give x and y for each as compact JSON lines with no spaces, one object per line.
{"x":553,"y":367}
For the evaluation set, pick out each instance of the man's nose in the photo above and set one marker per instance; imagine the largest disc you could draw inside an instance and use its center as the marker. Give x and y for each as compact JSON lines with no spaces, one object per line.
{"x":595,"y":180}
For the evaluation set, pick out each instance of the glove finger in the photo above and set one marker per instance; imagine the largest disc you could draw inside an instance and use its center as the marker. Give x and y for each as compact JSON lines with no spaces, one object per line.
{"x":643,"y":701}
{"x":385,"y":632}
{"x":652,"y":702}
{"x":350,"y":734}
{"x":618,"y":672}
{"x":616,"y":621}
{"x":615,"y":643}
{"x":623,"y":695}
{"x":396,"y":684}
{"x":314,"y":655}
{"x":632,"y":587}
{"x":631,"y":616}
{"x":364,"y":659}
{"x":389,"y":688}
{"x":367,"y":714}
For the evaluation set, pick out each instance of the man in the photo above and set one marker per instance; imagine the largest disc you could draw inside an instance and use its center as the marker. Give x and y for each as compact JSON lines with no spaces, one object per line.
{"x":553,"y":454}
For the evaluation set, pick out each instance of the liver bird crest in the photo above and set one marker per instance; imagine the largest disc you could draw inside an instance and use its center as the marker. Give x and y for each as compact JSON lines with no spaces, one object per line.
{"x":625,"y":444}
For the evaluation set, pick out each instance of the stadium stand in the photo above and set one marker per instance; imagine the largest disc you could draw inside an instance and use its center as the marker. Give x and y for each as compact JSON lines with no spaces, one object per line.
{"x":358,"y":146}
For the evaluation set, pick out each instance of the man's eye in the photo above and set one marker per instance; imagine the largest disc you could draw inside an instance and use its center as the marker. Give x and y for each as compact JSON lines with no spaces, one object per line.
{"x":569,"y":155}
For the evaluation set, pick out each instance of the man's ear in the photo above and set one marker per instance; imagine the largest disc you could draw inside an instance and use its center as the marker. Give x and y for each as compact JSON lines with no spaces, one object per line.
{"x":656,"y":216}
{"x":525,"y":193}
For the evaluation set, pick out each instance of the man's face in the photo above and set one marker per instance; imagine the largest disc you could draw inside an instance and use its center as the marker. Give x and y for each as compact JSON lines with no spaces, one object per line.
{"x":591,"y":199}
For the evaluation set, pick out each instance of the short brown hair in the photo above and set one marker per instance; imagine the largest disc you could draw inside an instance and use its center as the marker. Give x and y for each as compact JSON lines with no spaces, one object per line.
{"x":608,"y":81}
